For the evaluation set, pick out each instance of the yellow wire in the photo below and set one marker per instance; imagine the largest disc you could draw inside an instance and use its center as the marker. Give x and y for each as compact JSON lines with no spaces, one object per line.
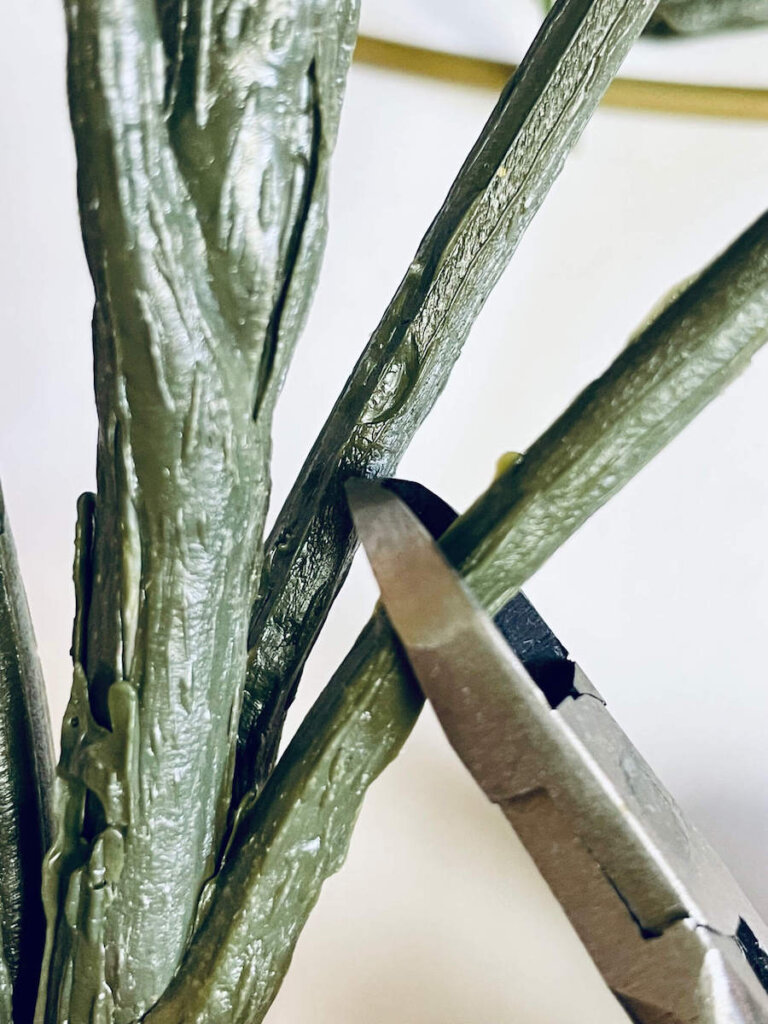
{"x":627,"y":93}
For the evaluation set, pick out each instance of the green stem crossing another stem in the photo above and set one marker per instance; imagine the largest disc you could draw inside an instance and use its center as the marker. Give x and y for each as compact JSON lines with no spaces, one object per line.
{"x":297,"y":832}
{"x":406,"y":364}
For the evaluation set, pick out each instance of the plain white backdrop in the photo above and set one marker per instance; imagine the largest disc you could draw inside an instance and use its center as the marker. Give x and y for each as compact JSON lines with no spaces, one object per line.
{"x":437,"y":915}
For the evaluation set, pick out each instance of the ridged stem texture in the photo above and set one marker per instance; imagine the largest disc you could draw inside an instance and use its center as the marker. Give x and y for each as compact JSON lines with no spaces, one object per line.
{"x":691,"y":17}
{"x":297,"y":833}
{"x":26,"y":786}
{"x":6,"y":992}
{"x":203,"y":130}
{"x":406,"y":364}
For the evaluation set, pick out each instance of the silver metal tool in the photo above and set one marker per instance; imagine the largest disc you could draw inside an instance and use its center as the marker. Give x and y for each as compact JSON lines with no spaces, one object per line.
{"x":671,"y":932}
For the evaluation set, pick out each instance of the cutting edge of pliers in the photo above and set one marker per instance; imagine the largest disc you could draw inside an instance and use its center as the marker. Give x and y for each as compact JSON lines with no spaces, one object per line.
{"x":673,"y":935}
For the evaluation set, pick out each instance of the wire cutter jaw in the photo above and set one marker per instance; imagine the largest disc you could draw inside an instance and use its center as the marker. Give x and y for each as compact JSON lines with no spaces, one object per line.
{"x":671,"y":932}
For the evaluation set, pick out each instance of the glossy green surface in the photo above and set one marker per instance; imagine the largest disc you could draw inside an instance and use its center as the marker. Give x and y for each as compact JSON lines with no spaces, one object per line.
{"x":674,"y":367}
{"x":297,"y":832}
{"x":291,"y":839}
{"x":203,"y":132}
{"x":406,"y":364}
{"x":6,"y":993}
{"x":690,"y":17}
{"x":26,"y":780}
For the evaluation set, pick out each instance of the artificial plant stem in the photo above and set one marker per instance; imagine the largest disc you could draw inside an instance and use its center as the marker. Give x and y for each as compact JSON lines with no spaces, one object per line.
{"x":26,"y":781}
{"x":6,"y":992}
{"x":405,"y":366}
{"x":297,"y":832}
{"x":674,"y":367}
{"x":203,"y":132}
{"x":689,"y":17}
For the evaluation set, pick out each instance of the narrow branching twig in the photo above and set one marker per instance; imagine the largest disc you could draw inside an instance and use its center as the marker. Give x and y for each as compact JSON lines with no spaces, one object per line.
{"x":406,"y":364}
{"x":203,"y":131}
{"x":297,"y":832}
{"x":26,"y":786}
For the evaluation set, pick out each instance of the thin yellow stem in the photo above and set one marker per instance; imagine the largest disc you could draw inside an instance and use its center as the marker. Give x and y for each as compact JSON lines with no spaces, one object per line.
{"x":627,"y":93}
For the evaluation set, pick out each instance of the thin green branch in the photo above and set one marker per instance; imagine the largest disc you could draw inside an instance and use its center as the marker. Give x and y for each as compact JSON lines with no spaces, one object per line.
{"x":26,"y":782}
{"x":692,"y":17}
{"x":202,"y":181}
{"x":297,"y":833}
{"x":539,"y":117}
{"x":674,"y":367}
{"x":6,"y":992}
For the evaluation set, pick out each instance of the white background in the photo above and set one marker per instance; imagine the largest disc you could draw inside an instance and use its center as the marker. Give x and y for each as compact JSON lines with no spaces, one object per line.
{"x":438,"y":916}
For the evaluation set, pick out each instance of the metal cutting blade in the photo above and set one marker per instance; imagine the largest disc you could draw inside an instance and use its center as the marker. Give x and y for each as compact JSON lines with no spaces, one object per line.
{"x":668,"y":927}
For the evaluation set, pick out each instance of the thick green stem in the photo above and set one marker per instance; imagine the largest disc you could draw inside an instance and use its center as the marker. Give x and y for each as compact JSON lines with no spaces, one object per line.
{"x":202,"y":153}
{"x":295,"y":836}
{"x":26,"y":785}
{"x":297,"y":832}
{"x":406,"y":364}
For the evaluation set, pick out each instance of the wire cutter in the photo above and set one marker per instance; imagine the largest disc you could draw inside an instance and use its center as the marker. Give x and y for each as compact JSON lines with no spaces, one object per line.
{"x":669,"y":929}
